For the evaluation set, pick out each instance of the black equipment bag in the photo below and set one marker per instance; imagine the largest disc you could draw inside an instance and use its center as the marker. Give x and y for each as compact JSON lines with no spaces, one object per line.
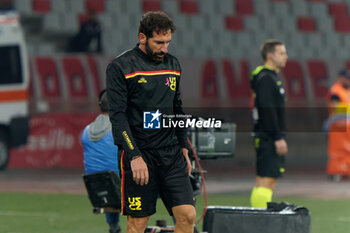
{"x":277,"y":218}
{"x":103,"y":189}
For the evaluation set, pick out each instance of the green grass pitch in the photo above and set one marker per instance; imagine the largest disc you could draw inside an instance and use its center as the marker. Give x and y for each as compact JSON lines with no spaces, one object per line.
{"x":63,"y":213}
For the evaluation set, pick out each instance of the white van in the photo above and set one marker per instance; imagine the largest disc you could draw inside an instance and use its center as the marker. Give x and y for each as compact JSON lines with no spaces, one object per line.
{"x":14,"y":83}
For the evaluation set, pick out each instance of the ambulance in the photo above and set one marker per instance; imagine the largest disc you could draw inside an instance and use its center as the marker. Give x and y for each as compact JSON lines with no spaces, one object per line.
{"x":14,"y":83}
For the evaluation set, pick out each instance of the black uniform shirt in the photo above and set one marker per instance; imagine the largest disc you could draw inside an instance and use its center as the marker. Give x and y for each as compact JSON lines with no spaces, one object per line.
{"x":269,"y":103}
{"x":135,"y":85}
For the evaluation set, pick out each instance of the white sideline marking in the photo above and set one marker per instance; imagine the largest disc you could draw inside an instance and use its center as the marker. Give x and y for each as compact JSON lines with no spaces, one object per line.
{"x":26,"y":214}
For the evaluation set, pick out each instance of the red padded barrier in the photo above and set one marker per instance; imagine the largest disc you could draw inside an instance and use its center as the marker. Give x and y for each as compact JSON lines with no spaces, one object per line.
{"x":318,"y":75}
{"x":75,"y":76}
{"x":47,"y":73}
{"x":294,"y":80}
{"x":236,"y":88}
{"x":209,"y":86}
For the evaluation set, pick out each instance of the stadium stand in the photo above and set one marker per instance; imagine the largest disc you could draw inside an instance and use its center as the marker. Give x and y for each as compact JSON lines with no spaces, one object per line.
{"x":225,"y":29}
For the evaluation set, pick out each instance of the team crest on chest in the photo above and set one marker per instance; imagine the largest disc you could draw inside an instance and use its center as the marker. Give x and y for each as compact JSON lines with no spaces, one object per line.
{"x":171,"y":83}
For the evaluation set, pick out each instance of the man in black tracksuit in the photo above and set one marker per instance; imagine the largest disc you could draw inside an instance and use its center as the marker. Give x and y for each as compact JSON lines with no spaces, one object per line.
{"x":142,"y":84}
{"x":270,"y":125}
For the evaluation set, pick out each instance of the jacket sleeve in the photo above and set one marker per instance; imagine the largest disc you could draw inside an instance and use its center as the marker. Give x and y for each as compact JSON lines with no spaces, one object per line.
{"x":267,"y":107}
{"x":181,"y":133}
{"x":117,"y":103}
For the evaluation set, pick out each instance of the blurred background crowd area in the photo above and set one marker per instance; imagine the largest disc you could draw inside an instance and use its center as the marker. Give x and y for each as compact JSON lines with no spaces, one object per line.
{"x":217,"y":43}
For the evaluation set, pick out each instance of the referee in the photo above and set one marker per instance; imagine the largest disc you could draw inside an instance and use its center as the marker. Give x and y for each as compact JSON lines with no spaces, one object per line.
{"x":270,"y":123}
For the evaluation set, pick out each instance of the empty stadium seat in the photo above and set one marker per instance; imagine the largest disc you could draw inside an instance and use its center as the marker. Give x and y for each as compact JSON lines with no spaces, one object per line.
{"x":244,"y":7}
{"x":306,"y":24}
{"x":59,"y":6}
{"x":299,"y":7}
{"x":134,"y":7}
{"x":234,"y":23}
{"x":252,"y":23}
{"x":95,"y":5}
{"x":75,"y":76}
{"x":80,"y":6}
{"x":114,"y":6}
{"x":225,"y":7}
{"x":281,"y":8}
{"x":208,"y":7}
{"x":171,"y":7}
{"x":47,"y":73}
{"x":41,"y":6}
{"x":52,"y":23}
{"x":69,"y":22}
{"x":336,"y":9}
{"x":318,"y":10}
{"x":342,"y":23}
{"x":105,"y":21}
{"x":189,"y":7}
{"x":151,"y":5}
{"x":23,"y":7}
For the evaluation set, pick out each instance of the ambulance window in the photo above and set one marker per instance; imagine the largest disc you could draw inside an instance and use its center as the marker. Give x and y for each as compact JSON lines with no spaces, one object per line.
{"x":10,"y":65}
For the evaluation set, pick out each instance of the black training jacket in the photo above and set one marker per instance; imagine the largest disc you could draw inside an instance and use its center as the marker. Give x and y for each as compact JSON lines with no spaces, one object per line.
{"x":136,"y":84}
{"x":269,"y":103}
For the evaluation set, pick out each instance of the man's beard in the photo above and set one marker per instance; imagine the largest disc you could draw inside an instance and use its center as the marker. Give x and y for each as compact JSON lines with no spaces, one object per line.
{"x":154,"y":55}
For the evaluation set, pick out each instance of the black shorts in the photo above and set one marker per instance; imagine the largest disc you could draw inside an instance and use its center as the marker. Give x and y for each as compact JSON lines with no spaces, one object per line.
{"x":268,"y":162}
{"x":168,"y":178}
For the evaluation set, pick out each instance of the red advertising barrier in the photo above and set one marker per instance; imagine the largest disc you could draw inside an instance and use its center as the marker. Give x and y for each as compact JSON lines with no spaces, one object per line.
{"x":54,"y":141}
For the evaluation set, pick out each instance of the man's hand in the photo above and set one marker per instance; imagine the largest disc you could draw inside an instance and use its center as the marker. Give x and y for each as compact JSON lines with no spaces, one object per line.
{"x":139,"y":171}
{"x":189,"y":165}
{"x":281,"y":147}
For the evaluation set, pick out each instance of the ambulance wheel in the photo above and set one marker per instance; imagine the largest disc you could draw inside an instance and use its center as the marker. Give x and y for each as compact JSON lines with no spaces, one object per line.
{"x":4,"y":151}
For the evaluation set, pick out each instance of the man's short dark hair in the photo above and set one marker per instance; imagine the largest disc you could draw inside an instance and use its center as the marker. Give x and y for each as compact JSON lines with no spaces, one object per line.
{"x":103,"y":101}
{"x":269,"y":47}
{"x":155,"y":21}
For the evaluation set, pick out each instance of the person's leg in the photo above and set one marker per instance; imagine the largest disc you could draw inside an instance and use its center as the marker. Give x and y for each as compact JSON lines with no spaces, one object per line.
{"x":136,"y":224}
{"x":262,"y":191}
{"x":269,"y":166}
{"x":113,"y":221}
{"x":185,"y":216}
{"x":176,"y":190}
{"x":138,"y":202}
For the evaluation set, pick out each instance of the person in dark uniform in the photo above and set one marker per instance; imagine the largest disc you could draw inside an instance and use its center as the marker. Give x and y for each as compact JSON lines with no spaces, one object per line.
{"x":270,"y":123}
{"x":142,"y":84}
